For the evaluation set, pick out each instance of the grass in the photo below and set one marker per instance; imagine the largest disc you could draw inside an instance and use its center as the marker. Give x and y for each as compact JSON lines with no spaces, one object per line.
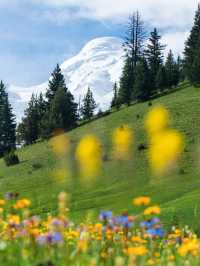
{"x":178,"y":194}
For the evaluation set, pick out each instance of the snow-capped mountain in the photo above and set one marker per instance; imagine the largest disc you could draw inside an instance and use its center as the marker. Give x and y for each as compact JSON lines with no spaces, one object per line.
{"x":98,"y":66}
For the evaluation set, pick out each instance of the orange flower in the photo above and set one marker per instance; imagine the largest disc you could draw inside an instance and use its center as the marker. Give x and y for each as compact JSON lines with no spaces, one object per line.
{"x":137,"y":251}
{"x":152,"y":210}
{"x":141,"y":201}
{"x":22,"y":203}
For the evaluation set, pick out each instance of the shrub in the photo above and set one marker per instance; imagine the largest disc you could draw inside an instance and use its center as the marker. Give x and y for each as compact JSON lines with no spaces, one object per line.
{"x":10,"y":158}
{"x":36,"y":166}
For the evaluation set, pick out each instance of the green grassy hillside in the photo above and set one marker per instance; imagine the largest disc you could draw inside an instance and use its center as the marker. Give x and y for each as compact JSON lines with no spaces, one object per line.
{"x":178,"y":194}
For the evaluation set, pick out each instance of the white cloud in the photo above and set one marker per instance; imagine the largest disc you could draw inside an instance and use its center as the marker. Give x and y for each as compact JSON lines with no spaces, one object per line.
{"x":175,"y":41}
{"x":178,"y":13}
{"x":173,"y":17}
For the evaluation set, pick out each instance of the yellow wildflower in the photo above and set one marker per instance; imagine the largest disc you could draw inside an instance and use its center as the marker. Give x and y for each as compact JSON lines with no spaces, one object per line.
{"x":2,"y":202}
{"x":60,"y":144}
{"x":89,"y":156}
{"x":189,"y":246}
{"x":165,"y":150}
{"x":153,"y":210}
{"x":82,"y":245}
{"x":141,"y":201}
{"x":98,"y":227}
{"x":22,"y":203}
{"x":138,"y":239}
{"x":122,"y":141}
{"x":137,"y":251}
{"x":14,"y":219}
{"x":157,"y":120}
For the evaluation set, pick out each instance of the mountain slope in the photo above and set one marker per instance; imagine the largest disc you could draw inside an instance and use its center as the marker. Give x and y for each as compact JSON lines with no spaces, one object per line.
{"x":98,"y":66}
{"x":178,"y":194}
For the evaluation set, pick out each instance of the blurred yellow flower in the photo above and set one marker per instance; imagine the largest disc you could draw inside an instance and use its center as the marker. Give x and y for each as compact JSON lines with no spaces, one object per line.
{"x":138,"y":239}
{"x":22,"y":203}
{"x":122,"y":141}
{"x":165,"y":150}
{"x":14,"y":219}
{"x":189,"y":246}
{"x":141,"y":201}
{"x":157,"y":120}
{"x":137,"y":251}
{"x":60,"y":144}
{"x":2,"y":202}
{"x":89,"y":156}
{"x":61,"y":174}
{"x":153,"y":210}
{"x":82,"y":245}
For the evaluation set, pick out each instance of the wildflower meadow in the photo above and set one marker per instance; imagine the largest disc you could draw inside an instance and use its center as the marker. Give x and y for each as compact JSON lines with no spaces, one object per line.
{"x":135,"y":237}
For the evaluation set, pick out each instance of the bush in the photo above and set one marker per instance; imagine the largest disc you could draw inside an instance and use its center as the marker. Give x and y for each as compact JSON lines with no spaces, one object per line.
{"x":36,"y":166}
{"x":10,"y":158}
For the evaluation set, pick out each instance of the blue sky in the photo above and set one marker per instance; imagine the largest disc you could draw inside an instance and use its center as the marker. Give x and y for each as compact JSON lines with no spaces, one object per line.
{"x":36,"y":34}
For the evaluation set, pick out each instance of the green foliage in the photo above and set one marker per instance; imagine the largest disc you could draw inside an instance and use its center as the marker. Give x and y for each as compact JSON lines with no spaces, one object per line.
{"x":126,"y":83}
{"x":161,"y":79}
{"x":142,"y":81}
{"x":29,"y":130}
{"x":56,"y":81}
{"x":10,"y":158}
{"x":89,"y":106}
{"x":154,"y":55}
{"x":63,"y":110}
{"x":7,"y":122}
{"x":172,"y":71}
{"x":133,"y":47}
{"x":191,"y":50}
{"x":115,"y":101}
{"x":195,"y":68}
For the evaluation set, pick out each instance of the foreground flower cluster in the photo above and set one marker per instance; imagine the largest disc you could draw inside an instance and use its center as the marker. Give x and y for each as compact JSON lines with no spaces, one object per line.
{"x":126,"y":239}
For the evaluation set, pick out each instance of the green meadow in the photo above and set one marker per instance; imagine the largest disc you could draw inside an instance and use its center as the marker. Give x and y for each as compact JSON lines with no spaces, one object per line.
{"x":178,"y":194}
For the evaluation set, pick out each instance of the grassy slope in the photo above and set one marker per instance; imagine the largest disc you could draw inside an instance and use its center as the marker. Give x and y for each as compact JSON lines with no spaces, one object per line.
{"x":179,"y":194}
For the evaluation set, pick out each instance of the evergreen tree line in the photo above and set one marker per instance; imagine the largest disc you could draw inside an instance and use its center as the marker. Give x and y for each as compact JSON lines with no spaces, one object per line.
{"x":55,"y":110}
{"x":145,"y":72}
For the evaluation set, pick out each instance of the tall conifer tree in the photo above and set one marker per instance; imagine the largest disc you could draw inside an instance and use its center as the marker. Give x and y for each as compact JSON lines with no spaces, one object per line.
{"x":56,"y":82}
{"x":89,"y":105}
{"x":7,"y":123}
{"x":191,"y":49}
{"x":154,"y":54}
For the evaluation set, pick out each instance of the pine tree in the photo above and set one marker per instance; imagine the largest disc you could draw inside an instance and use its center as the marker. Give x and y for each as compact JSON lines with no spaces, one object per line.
{"x":8,"y":124}
{"x":126,"y":83}
{"x":89,"y":106}
{"x":115,"y":101}
{"x":133,"y":47}
{"x":195,"y":74}
{"x":28,"y":130}
{"x":142,"y":82}
{"x":134,"y":38}
{"x":161,"y":80}
{"x":191,"y":47}
{"x":172,"y":72}
{"x":154,"y":54}
{"x":56,"y":82}
{"x":63,"y":111}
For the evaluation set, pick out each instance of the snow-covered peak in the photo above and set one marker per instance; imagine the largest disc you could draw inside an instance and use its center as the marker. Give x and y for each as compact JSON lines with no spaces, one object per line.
{"x":98,"y":65}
